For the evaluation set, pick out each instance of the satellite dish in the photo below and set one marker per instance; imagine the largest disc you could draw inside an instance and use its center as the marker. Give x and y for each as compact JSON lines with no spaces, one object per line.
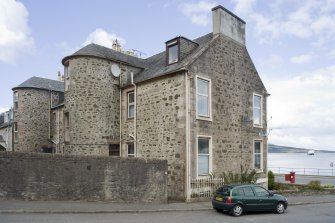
{"x":115,"y":69}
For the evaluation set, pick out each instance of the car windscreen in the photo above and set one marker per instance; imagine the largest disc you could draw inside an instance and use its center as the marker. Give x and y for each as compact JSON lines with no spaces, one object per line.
{"x":224,"y":191}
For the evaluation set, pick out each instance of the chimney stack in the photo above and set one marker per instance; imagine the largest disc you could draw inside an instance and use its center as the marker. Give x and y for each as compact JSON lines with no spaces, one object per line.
{"x":59,"y":76}
{"x":227,"y":23}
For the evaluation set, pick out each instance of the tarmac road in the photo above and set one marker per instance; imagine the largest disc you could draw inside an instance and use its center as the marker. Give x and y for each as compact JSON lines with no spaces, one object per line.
{"x":320,"y":213}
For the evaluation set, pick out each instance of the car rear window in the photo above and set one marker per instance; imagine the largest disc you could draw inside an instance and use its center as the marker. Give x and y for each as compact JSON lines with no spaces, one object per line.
{"x":224,"y":191}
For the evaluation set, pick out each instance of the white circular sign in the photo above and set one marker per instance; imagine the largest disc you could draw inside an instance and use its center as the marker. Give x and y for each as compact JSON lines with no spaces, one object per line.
{"x":115,"y":69}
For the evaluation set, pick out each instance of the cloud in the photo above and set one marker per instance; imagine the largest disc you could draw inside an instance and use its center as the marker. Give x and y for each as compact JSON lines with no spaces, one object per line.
{"x":199,"y":13}
{"x":3,"y":109}
{"x":302,"y":19}
{"x":303,"y":109}
{"x":301,"y":59}
{"x":244,"y":6}
{"x":103,"y":38}
{"x":273,"y":62}
{"x":15,"y":34}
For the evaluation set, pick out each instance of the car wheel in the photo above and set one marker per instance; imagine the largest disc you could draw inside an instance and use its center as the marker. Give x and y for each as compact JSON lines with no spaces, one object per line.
{"x":237,"y":210}
{"x":280,"y":208}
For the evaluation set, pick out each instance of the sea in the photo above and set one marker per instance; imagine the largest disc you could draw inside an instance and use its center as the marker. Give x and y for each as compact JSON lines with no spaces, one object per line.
{"x":301,"y":163}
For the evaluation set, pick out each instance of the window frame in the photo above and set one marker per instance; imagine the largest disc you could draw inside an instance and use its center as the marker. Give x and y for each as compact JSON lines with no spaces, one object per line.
{"x":67,"y":125}
{"x":66,"y":76}
{"x":131,"y":154}
{"x":169,"y":45}
{"x":209,"y":101}
{"x":260,"y":154}
{"x":129,"y":104}
{"x":260,"y":110}
{"x":210,"y":157}
{"x":16,"y":132}
{"x":16,"y":100}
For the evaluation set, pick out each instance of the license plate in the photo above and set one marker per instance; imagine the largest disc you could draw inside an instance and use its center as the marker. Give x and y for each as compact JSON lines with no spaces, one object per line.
{"x":219,"y":198}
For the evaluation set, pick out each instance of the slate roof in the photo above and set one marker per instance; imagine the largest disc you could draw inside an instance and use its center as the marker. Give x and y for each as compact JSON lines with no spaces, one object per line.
{"x":2,"y":118}
{"x":153,"y":66}
{"x":6,"y":124}
{"x":41,"y":83}
{"x":156,"y":65}
{"x":96,"y":50}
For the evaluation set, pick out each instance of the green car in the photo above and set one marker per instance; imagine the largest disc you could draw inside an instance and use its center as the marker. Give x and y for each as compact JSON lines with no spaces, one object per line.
{"x":237,"y":199}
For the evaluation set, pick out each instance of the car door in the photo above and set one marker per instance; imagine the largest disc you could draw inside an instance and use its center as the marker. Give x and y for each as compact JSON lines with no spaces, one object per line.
{"x":265,"y":199}
{"x":249,"y":199}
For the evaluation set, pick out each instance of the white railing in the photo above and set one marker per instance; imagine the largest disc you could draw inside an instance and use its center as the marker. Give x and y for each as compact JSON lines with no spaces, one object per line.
{"x":205,"y":187}
{"x":303,"y":171}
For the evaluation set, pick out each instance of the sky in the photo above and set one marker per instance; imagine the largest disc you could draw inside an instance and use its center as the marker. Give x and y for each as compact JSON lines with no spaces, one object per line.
{"x":291,"y":42}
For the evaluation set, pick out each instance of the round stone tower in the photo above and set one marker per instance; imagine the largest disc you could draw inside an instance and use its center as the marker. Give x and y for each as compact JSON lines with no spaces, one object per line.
{"x":92,"y":104}
{"x":32,"y":102}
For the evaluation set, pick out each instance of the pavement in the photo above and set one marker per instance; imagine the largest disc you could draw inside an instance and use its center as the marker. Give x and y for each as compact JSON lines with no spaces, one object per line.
{"x":81,"y":207}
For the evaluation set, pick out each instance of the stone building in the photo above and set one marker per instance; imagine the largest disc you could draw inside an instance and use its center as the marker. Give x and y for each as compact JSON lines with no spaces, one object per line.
{"x":6,"y":141}
{"x":33,"y":101}
{"x":200,"y":105}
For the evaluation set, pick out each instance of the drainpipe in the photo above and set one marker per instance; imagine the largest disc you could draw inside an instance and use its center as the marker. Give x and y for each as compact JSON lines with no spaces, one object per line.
{"x":120,"y":131}
{"x":7,"y":137}
{"x":58,"y":124}
{"x":187,"y":129}
{"x":50,"y":105}
{"x":13,"y":134}
{"x":135,"y":113}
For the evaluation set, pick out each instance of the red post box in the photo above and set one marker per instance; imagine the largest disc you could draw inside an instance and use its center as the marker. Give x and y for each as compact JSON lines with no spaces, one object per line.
{"x":287,"y":177}
{"x":292,"y":177}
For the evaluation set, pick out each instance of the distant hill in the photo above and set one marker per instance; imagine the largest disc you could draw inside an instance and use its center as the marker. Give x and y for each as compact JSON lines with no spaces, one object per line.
{"x":286,"y":149}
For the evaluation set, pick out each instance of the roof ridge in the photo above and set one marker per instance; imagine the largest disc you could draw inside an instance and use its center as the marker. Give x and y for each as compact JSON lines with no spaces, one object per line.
{"x":41,"y":83}
{"x":45,"y":78}
{"x":97,"y":50}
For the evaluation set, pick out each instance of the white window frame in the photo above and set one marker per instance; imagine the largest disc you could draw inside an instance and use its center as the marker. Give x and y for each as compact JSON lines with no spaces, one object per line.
{"x":210,"y":162}
{"x":129,"y":104}
{"x":170,"y":45}
{"x":261,"y":155}
{"x":67,"y":125}
{"x":260,"y":110}
{"x":67,"y":76}
{"x":130,"y":154}
{"x":202,"y":117}
{"x":16,"y":100}
{"x":16,"y":132}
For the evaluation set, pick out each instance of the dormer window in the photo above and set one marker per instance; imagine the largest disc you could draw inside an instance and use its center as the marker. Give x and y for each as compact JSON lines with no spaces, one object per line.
{"x":172,"y":49}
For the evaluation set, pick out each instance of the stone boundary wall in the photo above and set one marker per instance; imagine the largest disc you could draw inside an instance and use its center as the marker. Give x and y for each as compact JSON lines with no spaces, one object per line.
{"x":30,"y":176}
